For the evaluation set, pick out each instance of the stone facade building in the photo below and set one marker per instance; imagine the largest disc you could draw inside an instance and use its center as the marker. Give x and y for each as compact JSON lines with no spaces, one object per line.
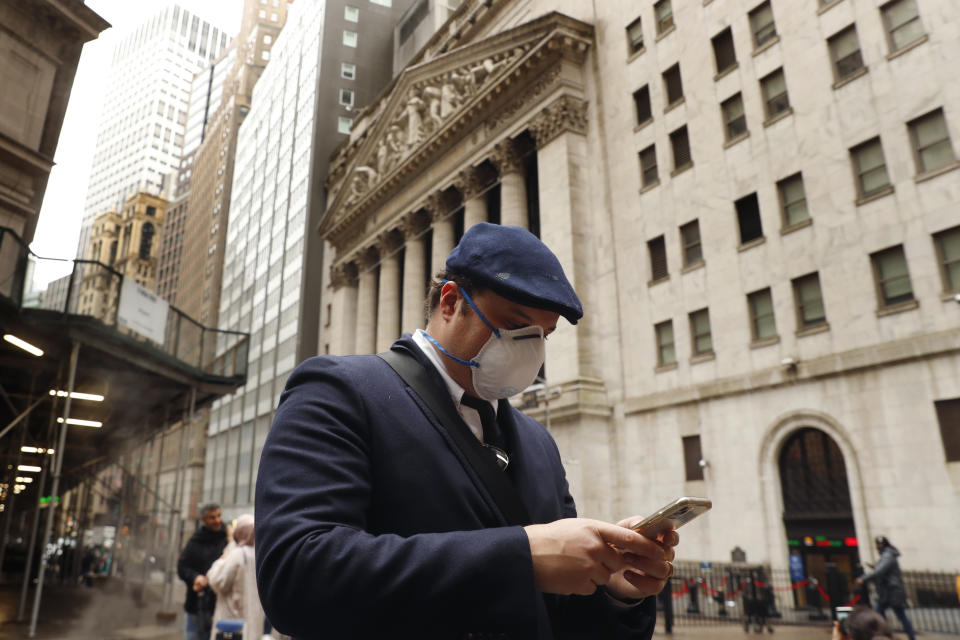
{"x":40,"y":44}
{"x":757,"y":203}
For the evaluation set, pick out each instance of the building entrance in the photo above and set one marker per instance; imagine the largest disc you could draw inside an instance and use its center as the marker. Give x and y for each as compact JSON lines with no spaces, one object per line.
{"x":818,"y":518}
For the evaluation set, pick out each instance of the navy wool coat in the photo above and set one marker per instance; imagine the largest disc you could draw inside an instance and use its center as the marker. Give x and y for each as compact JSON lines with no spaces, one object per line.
{"x":371,"y":523}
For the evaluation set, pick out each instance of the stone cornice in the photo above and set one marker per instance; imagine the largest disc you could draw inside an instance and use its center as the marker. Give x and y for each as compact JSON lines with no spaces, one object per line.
{"x":434,"y":104}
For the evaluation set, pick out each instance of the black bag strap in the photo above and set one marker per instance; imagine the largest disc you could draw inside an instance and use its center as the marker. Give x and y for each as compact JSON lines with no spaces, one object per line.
{"x":497,"y":482}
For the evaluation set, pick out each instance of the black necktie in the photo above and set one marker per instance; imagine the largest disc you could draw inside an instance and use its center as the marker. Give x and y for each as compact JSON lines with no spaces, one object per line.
{"x":488,"y":418}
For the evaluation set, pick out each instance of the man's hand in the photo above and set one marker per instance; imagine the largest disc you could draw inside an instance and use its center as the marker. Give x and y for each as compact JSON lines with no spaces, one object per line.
{"x":200,"y":583}
{"x":576,"y":555}
{"x":647,"y":567}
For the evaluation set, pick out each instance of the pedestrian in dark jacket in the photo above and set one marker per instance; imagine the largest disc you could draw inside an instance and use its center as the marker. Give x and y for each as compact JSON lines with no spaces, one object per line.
{"x":203,"y":548}
{"x":886,"y":577}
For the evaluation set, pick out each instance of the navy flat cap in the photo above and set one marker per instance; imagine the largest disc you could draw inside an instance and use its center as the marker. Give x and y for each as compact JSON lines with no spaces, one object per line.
{"x":515,"y":264}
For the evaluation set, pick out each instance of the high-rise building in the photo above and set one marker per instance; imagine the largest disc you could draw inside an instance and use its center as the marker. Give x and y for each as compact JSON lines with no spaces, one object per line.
{"x":331,"y":58}
{"x":40,"y":44}
{"x":757,"y":203}
{"x":141,"y":137}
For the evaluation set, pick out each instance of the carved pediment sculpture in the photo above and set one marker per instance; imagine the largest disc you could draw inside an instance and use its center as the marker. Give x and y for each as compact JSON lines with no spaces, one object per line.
{"x":432,"y":102}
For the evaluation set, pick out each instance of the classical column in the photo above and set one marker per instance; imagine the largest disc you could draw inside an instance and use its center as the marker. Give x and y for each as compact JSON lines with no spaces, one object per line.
{"x":388,"y":299}
{"x":567,"y":228}
{"x":366,"y":301}
{"x":342,"y":334}
{"x":443,"y":232}
{"x":513,"y":190}
{"x":471,"y":184}
{"x":414,"y":273}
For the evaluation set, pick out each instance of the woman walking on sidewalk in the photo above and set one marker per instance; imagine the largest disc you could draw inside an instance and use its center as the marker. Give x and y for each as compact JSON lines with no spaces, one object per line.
{"x":886,"y":576}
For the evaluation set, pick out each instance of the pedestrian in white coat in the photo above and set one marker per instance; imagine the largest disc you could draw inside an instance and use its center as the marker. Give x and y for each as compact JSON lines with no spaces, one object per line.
{"x":233,"y":578}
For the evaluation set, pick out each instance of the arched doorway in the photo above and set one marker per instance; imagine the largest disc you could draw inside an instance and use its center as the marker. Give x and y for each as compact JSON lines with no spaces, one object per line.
{"x":817,"y":514}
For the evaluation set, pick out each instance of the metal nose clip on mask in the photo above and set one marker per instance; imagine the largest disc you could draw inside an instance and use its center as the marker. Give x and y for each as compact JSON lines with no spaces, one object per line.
{"x":508,"y":361}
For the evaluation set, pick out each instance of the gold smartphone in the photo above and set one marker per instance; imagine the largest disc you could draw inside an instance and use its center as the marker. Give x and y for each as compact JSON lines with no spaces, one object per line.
{"x":672,"y":516}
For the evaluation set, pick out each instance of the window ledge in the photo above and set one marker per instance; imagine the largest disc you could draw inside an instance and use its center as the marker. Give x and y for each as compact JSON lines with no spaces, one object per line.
{"x":923,"y":177}
{"x":673,"y":105}
{"x":950,"y":296}
{"x":795,"y":227}
{"x":812,"y":330}
{"x":764,"y":342}
{"x":665,"y":278}
{"x":668,"y":31}
{"x":652,"y":185}
{"x":751,"y":244}
{"x":898,"y":308}
{"x":862,"y":71}
{"x":876,"y":196}
{"x":703,"y":357}
{"x":777,"y":118}
{"x":766,"y":45}
{"x":726,"y":72}
{"x":636,"y":54}
{"x":665,"y":367}
{"x":732,"y":141}
{"x":643,"y":125}
{"x":681,"y":169}
{"x":699,"y":265}
{"x":826,"y":7}
{"x":907,"y":47}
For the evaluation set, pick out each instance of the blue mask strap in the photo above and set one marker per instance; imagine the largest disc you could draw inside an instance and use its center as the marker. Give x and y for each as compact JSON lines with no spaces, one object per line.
{"x":466,"y":297}
{"x":469,"y":363}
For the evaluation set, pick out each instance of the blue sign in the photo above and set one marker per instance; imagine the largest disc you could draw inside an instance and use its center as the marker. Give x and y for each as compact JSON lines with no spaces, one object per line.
{"x":796,"y":567}
{"x":706,"y":566}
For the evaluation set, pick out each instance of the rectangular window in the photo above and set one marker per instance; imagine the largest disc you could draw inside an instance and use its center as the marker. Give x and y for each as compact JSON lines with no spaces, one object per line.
{"x":382,"y":3}
{"x":692,"y":457}
{"x":748,"y":216}
{"x":348,"y":71}
{"x":349,"y":38}
{"x":948,"y":415}
{"x":666,"y":354}
{"x":793,"y":200}
{"x":657,"y":249}
{"x":892,"y":277}
{"x":635,"y":36}
{"x":845,"y":53}
{"x":902,"y":23}
{"x":680,"y":142}
{"x":700,"y":338}
{"x":648,"y":166}
{"x":690,"y":239}
{"x":763,"y":324}
{"x":775,"y":98}
{"x":809,"y":300}
{"x":931,"y":142}
{"x":948,"y":255}
{"x":870,"y":168}
{"x":641,"y":99}
{"x":664,"y":13}
{"x":723,"y":52}
{"x":673,"y":85}
{"x":346,"y":97}
{"x":762,"y":25}
{"x":351,"y":14}
{"x":734,"y":119}
{"x":344,"y":124}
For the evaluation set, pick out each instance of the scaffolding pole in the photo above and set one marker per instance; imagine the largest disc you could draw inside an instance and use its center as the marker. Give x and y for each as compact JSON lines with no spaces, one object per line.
{"x":59,"y":455}
{"x":36,"y":516}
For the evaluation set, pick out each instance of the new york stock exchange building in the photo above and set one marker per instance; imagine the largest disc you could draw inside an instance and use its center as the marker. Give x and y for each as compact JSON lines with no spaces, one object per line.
{"x":766,"y":245}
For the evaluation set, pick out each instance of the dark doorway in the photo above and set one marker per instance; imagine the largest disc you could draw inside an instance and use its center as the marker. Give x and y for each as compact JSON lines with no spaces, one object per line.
{"x":818,"y":517}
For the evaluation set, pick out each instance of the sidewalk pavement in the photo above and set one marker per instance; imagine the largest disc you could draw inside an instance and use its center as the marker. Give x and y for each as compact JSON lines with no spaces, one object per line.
{"x":784,"y":632}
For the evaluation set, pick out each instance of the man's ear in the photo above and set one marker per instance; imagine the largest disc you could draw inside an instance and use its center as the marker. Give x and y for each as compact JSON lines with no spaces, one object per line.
{"x":449,"y":297}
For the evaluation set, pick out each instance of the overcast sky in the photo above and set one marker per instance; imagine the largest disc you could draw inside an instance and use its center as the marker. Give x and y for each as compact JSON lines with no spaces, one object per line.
{"x":59,"y":227}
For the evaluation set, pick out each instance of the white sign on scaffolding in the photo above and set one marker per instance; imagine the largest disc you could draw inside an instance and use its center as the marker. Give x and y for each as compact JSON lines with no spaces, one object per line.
{"x":143,"y":311}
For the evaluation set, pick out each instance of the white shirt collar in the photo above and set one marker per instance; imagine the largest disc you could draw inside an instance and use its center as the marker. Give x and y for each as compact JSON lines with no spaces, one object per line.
{"x":469,"y":414}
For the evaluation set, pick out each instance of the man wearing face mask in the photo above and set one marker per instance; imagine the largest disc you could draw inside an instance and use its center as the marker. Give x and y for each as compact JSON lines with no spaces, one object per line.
{"x":377,"y":516}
